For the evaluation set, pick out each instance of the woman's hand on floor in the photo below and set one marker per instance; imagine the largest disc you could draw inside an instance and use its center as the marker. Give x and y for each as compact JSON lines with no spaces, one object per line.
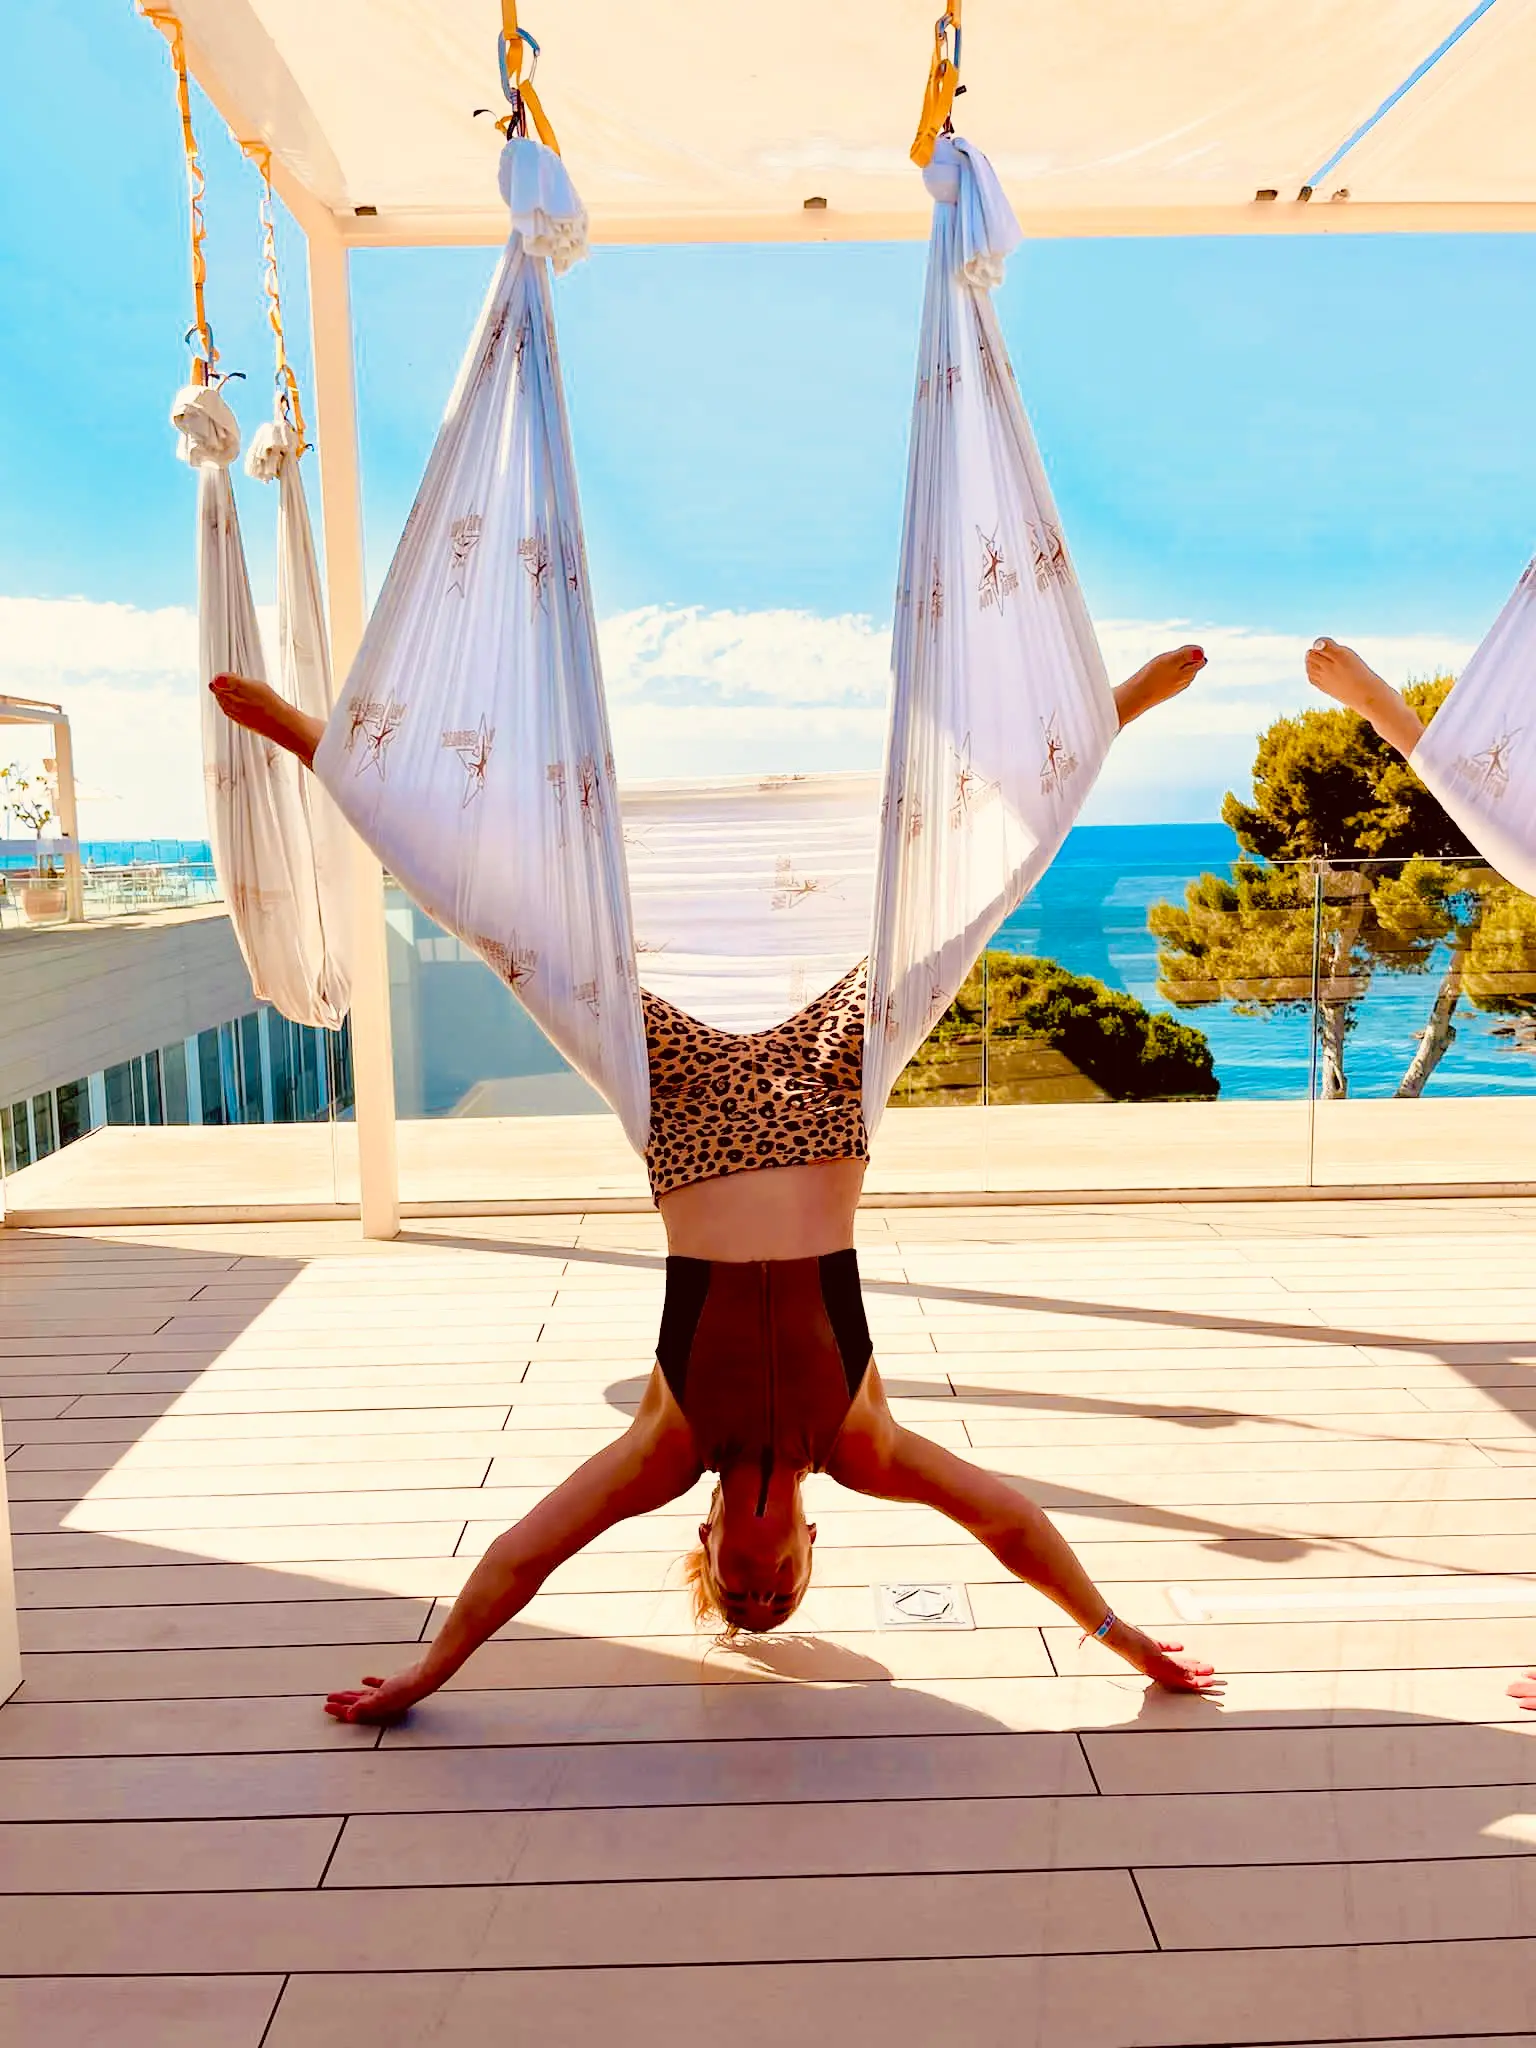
{"x":381,"y":1699}
{"x":1166,"y":1664}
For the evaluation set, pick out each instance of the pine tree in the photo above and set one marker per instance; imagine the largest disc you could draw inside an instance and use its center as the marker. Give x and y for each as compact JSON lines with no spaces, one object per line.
{"x":1327,"y":790}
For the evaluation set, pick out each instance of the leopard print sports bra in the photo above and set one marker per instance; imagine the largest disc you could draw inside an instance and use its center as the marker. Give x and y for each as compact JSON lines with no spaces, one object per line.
{"x":727,"y":1102}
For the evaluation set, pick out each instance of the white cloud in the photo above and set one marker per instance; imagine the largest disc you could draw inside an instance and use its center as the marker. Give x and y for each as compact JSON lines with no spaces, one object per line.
{"x":691,"y":656}
{"x":692,"y":692}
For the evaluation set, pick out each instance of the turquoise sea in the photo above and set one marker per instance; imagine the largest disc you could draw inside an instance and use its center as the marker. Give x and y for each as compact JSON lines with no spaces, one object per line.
{"x":1090,"y":912}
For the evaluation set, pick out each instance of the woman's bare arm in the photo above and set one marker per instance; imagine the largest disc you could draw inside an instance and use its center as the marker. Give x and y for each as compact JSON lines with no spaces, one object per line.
{"x":877,"y":1456}
{"x":259,"y":708}
{"x":652,"y":1463}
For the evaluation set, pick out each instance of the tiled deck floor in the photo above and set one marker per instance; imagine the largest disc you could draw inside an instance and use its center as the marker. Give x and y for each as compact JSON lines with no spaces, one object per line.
{"x":246,"y":1462}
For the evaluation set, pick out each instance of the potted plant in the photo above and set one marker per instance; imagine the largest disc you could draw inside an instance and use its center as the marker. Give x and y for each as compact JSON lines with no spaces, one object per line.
{"x":29,"y":801}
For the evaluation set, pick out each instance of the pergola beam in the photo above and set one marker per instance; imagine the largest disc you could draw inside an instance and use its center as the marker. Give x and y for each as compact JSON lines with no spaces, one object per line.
{"x":403,"y":230}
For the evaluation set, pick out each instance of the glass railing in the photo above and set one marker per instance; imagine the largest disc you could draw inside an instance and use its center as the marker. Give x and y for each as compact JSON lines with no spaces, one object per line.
{"x":1319,"y":1023}
{"x":1196,"y":1022}
{"x":34,"y":888}
{"x":489,"y":1110}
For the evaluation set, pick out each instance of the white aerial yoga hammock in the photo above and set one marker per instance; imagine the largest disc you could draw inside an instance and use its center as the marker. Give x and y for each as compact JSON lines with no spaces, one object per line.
{"x":1001,"y":712}
{"x":1478,"y":754}
{"x":752,"y":897}
{"x":276,"y":842}
{"x":471,"y":750}
{"x":276,"y":847}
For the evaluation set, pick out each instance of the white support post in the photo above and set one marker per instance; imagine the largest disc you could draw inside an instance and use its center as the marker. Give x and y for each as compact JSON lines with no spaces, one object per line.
{"x":69,"y":820}
{"x":342,"y":524}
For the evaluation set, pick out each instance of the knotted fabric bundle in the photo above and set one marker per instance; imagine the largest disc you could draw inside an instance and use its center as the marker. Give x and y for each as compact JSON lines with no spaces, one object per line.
{"x":273,"y":838}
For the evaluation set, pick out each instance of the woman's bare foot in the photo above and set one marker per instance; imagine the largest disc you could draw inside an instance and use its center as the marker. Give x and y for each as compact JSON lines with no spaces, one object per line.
{"x":259,"y":708}
{"x":1524,"y":1690}
{"x":381,"y":1699}
{"x":1340,"y":673}
{"x":1163,"y":677}
{"x":1166,"y":1664}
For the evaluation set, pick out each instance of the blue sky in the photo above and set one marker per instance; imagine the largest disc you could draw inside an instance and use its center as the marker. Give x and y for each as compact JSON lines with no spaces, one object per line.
{"x":1261,"y":437}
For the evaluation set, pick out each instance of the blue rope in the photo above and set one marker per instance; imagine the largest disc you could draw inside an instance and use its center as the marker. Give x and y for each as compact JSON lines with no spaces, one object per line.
{"x":1407,"y":86}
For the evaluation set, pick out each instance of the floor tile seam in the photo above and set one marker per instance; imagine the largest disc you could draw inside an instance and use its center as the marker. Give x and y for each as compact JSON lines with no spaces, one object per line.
{"x":735,"y":1878}
{"x":271,"y":2021}
{"x":1284,"y":1670}
{"x":1401,"y":1717}
{"x":744,"y":1744}
{"x":874,"y":1802}
{"x":735,"y":1962}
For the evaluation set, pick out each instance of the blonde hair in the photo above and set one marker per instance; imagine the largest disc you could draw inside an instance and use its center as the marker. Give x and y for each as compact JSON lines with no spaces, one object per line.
{"x":704,"y":1587}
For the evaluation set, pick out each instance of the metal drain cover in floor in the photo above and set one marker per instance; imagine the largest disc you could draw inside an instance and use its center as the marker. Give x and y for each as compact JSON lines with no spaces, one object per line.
{"x":927,"y":1605}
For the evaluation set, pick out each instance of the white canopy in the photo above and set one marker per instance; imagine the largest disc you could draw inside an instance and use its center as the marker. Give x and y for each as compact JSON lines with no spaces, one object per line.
{"x":720,"y":123}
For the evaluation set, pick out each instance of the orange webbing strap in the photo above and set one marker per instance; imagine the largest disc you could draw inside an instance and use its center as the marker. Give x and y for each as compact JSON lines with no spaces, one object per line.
{"x":287,"y":382}
{"x":170,"y":28}
{"x":516,"y":50}
{"x":943,"y":78}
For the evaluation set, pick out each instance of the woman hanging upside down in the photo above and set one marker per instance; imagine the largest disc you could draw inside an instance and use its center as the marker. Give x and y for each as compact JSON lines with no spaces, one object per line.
{"x":756,"y":1150}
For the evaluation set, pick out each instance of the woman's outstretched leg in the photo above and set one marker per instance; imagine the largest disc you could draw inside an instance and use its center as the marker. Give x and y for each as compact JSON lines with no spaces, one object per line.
{"x":259,"y":708}
{"x":875,"y":1455}
{"x":1163,"y":677}
{"x":1340,"y":673}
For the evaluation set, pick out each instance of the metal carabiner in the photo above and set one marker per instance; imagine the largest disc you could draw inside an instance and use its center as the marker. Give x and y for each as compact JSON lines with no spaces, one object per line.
{"x":509,"y":86}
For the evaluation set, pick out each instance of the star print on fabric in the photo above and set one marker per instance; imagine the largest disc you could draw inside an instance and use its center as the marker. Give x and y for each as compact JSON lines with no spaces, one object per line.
{"x":554,"y":775}
{"x":790,"y":888}
{"x":1488,"y":772}
{"x":572,"y":566}
{"x":969,"y":788}
{"x":358,"y":713}
{"x":520,"y":347}
{"x":1060,"y":762}
{"x":533,"y":553}
{"x":219,"y":779}
{"x":463,"y":539}
{"x":909,"y":813}
{"x":591,"y":790}
{"x":997,"y":582}
{"x":514,"y":963}
{"x":935,"y":595}
{"x":585,"y":993}
{"x":378,"y":726}
{"x":473,"y":747}
{"x":492,"y":343}
{"x":1049,"y":553}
